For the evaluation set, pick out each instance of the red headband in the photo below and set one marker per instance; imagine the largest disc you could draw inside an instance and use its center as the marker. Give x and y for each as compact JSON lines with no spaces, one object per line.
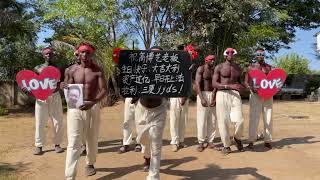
{"x":86,"y":48}
{"x":210,"y":58}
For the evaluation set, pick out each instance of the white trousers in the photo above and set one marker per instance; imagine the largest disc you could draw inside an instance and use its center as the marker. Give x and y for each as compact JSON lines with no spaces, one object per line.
{"x":229,"y":110}
{"x":52,"y":107}
{"x":258,"y":106}
{"x":150,"y":124}
{"x":206,"y":119}
{"x":82,"y":124}
{"x":178,"y":120}
{"x":129,"y":123}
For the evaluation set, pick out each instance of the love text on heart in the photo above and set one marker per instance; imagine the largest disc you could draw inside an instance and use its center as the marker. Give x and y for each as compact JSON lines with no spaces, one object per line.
{"x":44,"y":84}
{"x":267,"y":84}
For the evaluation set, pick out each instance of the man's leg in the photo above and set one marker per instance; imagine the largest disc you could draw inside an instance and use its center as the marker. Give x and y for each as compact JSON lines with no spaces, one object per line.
{"x":155,"y":133}
{"x":56,"y":113}
{"x":267,"y":120}
{"x":212,"y":127}
{"x":236,"y":117}
{"x":201,"y":126}
{"x":92,"y":138}
{"x":128,"y":125}
{"x":175,"y":111}
{"x":75,"y":123}
{"x":146,"y":150}
{"x":254,"y":118}
{"x":183,"y":123}
{"x":41,"y":116}
{"x":223,"y":117}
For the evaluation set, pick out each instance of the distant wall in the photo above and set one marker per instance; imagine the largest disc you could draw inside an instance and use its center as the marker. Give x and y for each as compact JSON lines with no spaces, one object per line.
{"x":11,"y":95}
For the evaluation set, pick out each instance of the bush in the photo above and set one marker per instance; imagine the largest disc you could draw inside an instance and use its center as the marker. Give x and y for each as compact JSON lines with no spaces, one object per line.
{"x":3,"y":111}
{"x":312,"y":85}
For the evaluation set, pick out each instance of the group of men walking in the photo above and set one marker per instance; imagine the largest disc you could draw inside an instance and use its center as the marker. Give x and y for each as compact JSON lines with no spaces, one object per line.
{"x":218,"y":106}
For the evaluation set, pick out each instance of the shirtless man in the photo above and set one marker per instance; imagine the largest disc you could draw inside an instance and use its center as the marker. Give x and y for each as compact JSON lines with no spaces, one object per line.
{"x":226,"y":79}
{"x":258,"y":105}
{"x":67,"y":73}
{"x":206,"y":112}
{"x":51,"y":107}
{"x":150,"y":119}
{"x":85,"y":121}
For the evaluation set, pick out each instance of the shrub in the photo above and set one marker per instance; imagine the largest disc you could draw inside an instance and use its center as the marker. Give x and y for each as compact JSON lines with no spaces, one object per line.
{"x":3,"y":111}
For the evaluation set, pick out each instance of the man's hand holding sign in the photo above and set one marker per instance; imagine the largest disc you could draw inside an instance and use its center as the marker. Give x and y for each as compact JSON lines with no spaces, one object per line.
{"x":266,"y":85}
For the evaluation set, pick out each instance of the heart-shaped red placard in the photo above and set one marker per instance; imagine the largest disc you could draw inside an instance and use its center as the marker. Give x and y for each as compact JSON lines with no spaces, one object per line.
{"x":267,"y":85}
{"x":41,"y":86}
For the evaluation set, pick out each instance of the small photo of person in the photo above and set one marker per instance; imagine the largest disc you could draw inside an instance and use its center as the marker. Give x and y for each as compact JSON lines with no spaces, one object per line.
{"x":75,"y":97}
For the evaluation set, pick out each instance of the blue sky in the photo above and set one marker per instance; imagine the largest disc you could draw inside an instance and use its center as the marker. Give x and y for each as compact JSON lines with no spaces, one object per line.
{"x":303,"y":45}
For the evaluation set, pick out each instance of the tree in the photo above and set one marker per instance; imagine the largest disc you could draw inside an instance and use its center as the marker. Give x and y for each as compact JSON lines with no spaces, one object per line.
{"x":214,"y":25}
{"x":17,"y":38}
{"x":98,"y":22}
{"x":293,"y":64}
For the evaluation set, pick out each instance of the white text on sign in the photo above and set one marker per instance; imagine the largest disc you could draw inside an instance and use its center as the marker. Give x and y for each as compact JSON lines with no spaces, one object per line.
{"x":35,"y":84}
{"x":267,"y":84}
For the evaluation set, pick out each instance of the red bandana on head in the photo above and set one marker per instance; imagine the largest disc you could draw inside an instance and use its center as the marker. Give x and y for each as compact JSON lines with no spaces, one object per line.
{"x":192,"y":51}
{"x":210,"y":58}
{"x":87,"y":48}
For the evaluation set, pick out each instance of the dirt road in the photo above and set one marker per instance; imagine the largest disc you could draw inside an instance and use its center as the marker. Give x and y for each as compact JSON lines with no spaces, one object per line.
{"x":296,"y":153}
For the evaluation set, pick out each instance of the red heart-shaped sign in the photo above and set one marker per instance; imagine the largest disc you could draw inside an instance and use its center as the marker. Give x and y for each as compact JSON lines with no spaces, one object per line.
{"x":267,"y":85}
{"x":41,"y":86}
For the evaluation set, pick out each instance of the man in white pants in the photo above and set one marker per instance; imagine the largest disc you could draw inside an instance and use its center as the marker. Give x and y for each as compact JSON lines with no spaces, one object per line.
{"x":178,"y":121}
{"x":85,"y":121}
{"x":258,"y":105}
{"x":150,"y":116}
{"x":128,"y":126}
{"x":227,"y":80}
{"x":206,"y":112}
{"x":67,"y":73}
{"x":51,"y":107}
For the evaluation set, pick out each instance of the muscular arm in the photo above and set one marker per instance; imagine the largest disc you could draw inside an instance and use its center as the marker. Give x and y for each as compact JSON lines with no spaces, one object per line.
{"x":102,"y":85}
{"x":66,"y":75}
{"x":198,"y":81}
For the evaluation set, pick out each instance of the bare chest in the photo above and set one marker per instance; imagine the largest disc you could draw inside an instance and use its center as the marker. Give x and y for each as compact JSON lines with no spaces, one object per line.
{"x":85,"y":76}
{"x":230,"y":72}
{"x":207,"y":73}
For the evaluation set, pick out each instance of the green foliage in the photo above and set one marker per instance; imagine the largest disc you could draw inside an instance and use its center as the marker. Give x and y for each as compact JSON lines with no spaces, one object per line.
{"x":95,"y":21}
{"x":17,"y":37}
{"x":3,"y":111}
{"x":293,"y":64}
{"x":312,"y":85}
{"x":214,"y":25}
